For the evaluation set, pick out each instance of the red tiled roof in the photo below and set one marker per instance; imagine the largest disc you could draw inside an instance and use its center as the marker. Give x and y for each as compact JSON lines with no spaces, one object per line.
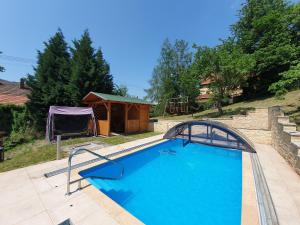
{"x":11,"y":93}
{"x":12,"y":99}
{"x":206,"y":82}
{"x":204,"y":96}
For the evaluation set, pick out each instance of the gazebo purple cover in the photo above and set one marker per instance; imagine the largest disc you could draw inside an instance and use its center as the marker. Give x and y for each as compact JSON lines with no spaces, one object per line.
{"x":64,"y":110}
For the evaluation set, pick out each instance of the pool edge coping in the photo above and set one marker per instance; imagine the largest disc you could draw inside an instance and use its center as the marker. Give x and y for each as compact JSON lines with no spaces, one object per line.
{"x":267,"y":211}
{"x":250,"y":210}
{"x":116,"y":211}
{"x":250,"y":214}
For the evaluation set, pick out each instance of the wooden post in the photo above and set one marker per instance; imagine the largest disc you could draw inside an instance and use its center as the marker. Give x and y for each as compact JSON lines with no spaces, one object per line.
{"x":108,"y":117}
{"x":140,"y":116}
{"x":138,"y":107}
{"x":126,"y":118}
{"x":58,"y":139}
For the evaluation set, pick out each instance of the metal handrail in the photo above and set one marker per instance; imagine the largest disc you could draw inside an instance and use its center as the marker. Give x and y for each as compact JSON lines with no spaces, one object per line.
{"x":76,"y":151}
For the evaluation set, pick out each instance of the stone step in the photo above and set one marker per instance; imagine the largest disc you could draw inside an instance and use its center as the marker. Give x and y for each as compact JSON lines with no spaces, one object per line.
{"x":297,"y":144}
{"x":297,"y":164}
{"x":257,"y":114}
{"x":252,"y":113}
{"x":295,"y":148}
{"x":283,"y":119}
{"x":264,"y":110}
{"x":295,"y":136}
{"x":239,"y":117}
{"x":289,"y":126}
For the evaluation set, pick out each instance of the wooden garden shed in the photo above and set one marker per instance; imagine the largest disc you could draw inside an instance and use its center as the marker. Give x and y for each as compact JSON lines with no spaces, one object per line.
{"x":118,"y":114}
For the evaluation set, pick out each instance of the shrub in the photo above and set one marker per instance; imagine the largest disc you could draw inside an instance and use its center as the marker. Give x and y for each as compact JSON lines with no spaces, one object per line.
{"x":20,"y":121}
{"x":7,"y":116}
{"x":289,"y":80}
{"x":156,"y":110}
{"x":17,"y":126}
{"x":18,"y":137}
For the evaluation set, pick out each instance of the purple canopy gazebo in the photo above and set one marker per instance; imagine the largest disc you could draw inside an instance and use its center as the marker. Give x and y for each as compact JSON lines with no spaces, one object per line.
{"x":56,"y":111}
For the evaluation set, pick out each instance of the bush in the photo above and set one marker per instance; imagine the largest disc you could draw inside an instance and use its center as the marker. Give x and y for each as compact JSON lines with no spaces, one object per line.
{"x":206,"y":104}
{"x":20,"y":121}
{"x":156,"y":110}
{"x":18,"y":137}
{"x":290,"y":80}
{"x":18,"y":127}
{"x":7,"y":116}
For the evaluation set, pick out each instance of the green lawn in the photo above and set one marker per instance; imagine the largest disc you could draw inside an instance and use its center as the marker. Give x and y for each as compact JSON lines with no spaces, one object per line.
{"x":41,"y":151}
{"x":290,"y":104}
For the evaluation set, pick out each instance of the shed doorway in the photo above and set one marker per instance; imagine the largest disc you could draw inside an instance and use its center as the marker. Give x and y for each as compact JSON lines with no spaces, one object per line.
{"x":117,"y":124}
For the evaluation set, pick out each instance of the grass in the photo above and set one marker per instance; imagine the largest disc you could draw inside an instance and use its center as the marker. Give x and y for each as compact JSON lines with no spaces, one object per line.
{"x":290,"y":105}
{"x":41,"y":151}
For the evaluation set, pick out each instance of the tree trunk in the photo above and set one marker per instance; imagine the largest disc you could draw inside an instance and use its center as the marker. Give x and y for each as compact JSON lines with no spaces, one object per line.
{"x":220,"y":100}
{"x":219,"y":107}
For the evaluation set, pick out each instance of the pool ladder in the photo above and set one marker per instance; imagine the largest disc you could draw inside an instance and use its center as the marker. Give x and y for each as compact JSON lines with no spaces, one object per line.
{"x":76,"y":151}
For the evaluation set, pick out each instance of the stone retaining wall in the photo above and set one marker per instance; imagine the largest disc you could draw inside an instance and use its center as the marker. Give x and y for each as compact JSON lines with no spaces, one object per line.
{"x":255,"y":125}
{"x":263,"y":126}
{"x":258,"y":136}
{"x":254,"y":120}
{"x":285,"y":137}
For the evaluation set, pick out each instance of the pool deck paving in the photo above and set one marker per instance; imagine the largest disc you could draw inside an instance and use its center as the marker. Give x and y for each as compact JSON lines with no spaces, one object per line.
{"x":283,"y":183}
{"x":27,"y":197}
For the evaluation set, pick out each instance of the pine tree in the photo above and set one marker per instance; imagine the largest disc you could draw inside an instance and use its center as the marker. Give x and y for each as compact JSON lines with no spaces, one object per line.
{"x":121,"y":90}
{"x":90,"y":72}
{"x":48,"y":84}
{"x":106,"y":79}
{"x":83,"y":68}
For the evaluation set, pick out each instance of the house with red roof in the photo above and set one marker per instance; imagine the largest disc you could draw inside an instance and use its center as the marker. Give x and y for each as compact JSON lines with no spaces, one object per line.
{"x":205,"y":92}
{"x":13,"y":93}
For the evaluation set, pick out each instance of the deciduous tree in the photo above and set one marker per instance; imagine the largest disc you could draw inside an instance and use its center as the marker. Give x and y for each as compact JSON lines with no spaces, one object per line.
{"x":289,"y":80}
{"x":172,"y":77}
{"x":225,"y":66}
{"x":264,"y":30}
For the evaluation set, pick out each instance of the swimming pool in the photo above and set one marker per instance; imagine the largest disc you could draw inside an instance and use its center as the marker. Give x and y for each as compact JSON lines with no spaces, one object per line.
{"x":171,"y":184}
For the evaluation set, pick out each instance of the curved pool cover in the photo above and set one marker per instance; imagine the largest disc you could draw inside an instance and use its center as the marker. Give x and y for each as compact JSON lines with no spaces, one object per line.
{"x":176,"y":183}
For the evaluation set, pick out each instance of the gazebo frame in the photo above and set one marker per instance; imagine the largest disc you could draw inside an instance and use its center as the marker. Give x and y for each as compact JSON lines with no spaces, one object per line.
{"x":131,"y":115}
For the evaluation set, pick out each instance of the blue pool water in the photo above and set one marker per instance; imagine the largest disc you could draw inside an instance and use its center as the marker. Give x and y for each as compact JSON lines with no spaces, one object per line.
{"x":171,"y":184}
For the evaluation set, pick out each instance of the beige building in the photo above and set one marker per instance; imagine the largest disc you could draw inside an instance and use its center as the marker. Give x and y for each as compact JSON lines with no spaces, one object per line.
{"x":205,"y":92}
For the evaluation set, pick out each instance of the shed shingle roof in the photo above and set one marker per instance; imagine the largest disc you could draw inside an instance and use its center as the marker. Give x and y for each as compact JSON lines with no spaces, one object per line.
{"x":118,"y":98}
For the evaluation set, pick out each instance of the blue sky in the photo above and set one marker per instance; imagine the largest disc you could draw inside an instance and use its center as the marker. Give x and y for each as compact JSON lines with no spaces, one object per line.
{"x":130,"y":32}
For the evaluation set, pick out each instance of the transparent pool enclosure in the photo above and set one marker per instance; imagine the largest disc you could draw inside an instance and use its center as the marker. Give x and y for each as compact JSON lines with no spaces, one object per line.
{"x":211,"y":133}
